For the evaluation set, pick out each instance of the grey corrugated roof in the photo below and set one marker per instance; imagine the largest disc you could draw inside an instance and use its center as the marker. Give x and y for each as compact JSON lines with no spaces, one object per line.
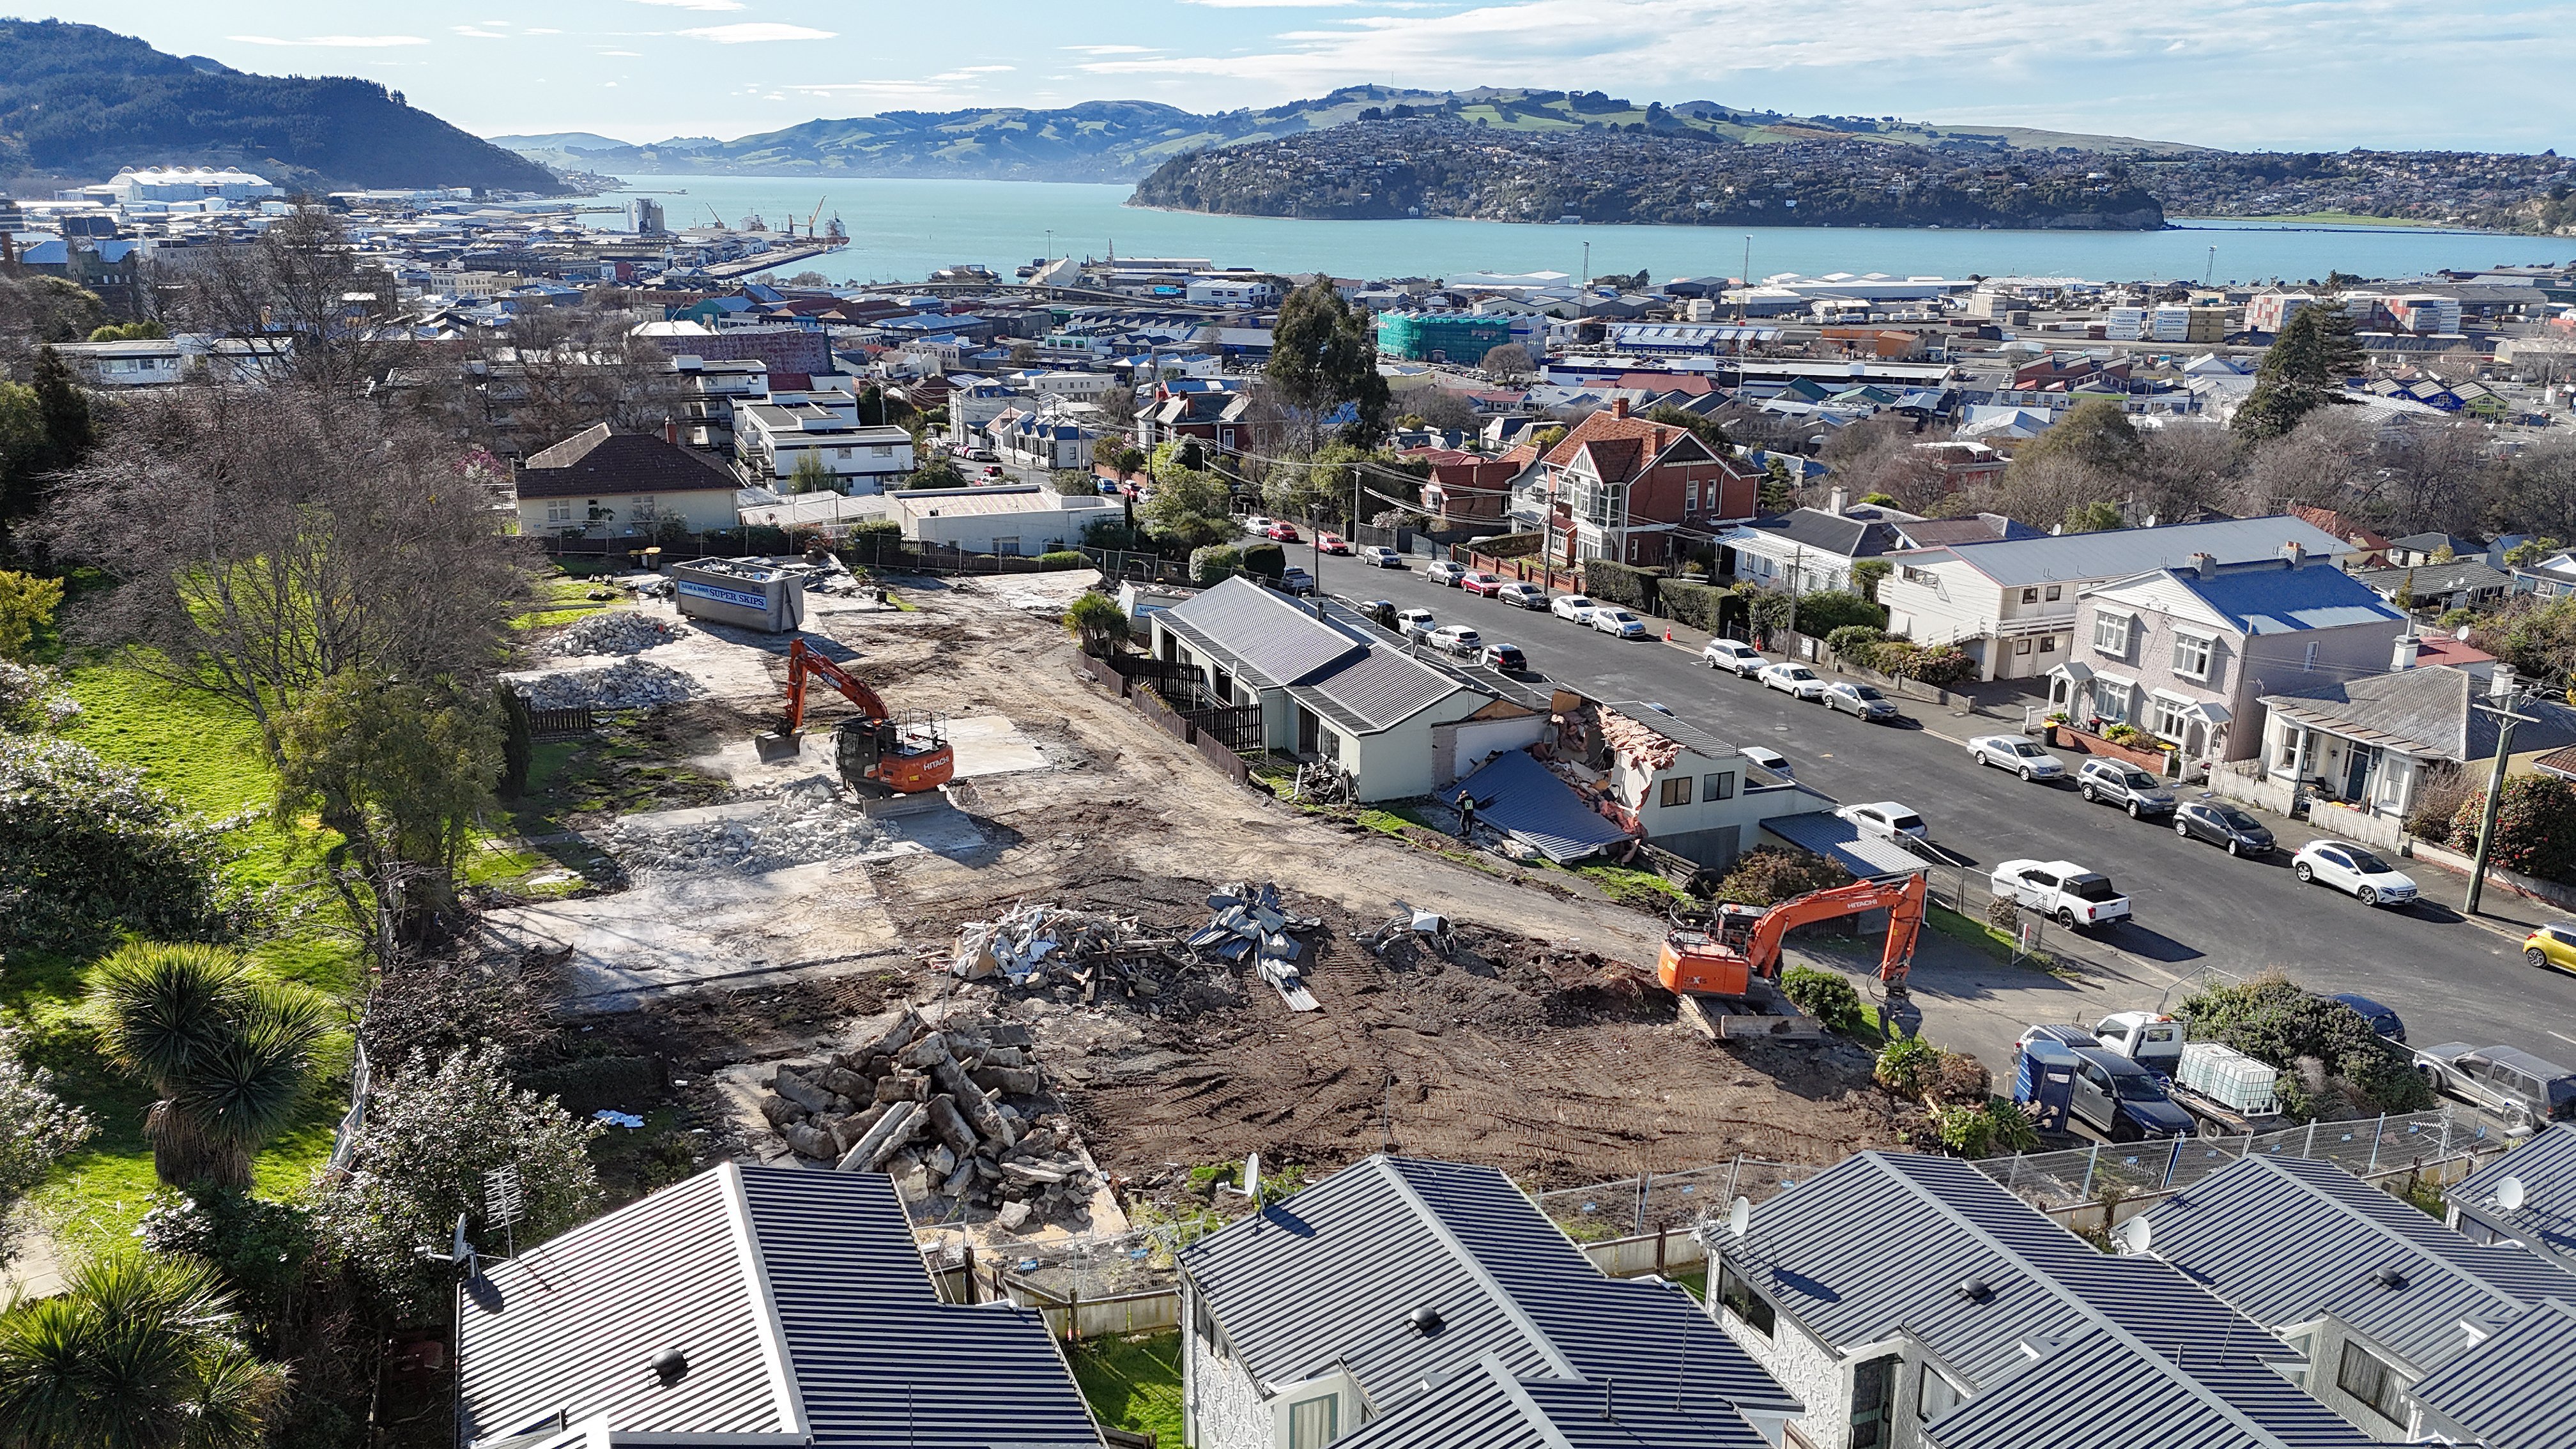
{"x":1829,"y":533}
{"x":2545,"y":1165}
{"x":2273,"y":598}
{"x":1264,"y":630}
{"x":1485,"y":1407}
{"x":2447,"y":578}
{"x":801,"y":1305}
{"x":2117,"y":553}
{"x":2513,"y":1391}
{"x":2288,"y":1240}
{"x":1519,"y":796}
{"x":1841,"y":842}
{"x":2100,"y":1390}
{"x":1329,"y":1277}
{"x":2422,"y":711}
{"x":1384,"y":687}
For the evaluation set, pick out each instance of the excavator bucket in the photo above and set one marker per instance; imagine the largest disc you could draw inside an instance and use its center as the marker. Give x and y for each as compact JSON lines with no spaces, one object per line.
{"x":777,"y":747}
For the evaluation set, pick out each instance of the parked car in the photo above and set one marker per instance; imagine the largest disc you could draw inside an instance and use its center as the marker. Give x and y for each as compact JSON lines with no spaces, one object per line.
{"x":1377,"y":556}
{"x":1445,"y":573}
{"x":992,"y":470}
{"x":2061,"y":890}
{"x":1733,"y":654}
{"x":1257,"y":523}
{"x":1456,"y":639}
{"x":1887,"y":820}
{"x":2123,"y":1100}
{"x":1415,"y":623}
{"x":2012,"y":752}
{"x":1766,"y":758}
{"x":2382,"y":1020}
{"x":2525,"y":1090}
{"x":1333,"y":543}
{"x":2117,"y":782}
{"x":1616,"y":621}
{"x":1790,"y":677}
{"x":1522,"y":596}
{"x":2552,"y":945}
{"x":1506,"y":657}
{"x":2355,"y":871}
{"x":1481,"y":583}
{"x":1380,"y":612}
{"x":1858,"y":700}
{"x":1281,"y":533}
{"x":1577,"y":607}
{"x":2225,"y":825}
{"x":1296,"y":580}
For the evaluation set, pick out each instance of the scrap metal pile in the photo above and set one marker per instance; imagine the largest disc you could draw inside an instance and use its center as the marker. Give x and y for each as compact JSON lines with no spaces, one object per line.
{"x":1043,"y":945}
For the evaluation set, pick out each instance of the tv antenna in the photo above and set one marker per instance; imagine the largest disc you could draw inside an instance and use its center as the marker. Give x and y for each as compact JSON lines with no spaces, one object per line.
{"x":504,"y":1203}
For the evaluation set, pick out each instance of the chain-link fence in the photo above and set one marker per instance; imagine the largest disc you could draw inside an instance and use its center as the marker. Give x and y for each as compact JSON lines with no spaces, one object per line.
{"x":1662,"y":1201}
{"x":1078,"y":1269}
{"x":2112,"y":1171}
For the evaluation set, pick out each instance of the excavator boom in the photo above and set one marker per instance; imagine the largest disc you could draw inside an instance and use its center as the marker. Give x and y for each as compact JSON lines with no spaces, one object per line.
{"x":1742,"y":944}
{"x":873,"y":748}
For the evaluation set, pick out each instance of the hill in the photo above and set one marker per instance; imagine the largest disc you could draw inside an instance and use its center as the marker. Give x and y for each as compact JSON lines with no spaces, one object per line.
{"x":80,"y":102}
{"x":1124,"y":140}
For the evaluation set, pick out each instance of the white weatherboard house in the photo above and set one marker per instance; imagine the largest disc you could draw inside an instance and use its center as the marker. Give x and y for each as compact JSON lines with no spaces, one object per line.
{"x":2011,"y":603}
{"x":1017,"y":520}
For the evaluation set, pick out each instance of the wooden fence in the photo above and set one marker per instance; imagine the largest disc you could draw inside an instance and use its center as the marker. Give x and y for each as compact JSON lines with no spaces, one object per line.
{"x":574,"y":720}
{"x":1222,"y":733}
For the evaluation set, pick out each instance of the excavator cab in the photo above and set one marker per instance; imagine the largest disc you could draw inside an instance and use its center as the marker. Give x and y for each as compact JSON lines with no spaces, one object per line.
{"x":885,"y":755}
{"x":1724,"y":951}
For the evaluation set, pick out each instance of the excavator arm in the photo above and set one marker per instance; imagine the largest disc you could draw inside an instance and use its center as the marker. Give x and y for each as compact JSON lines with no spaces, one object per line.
{"x":1696,"y":961}
{"x":874,"y":749}
{"x":801,"y":662}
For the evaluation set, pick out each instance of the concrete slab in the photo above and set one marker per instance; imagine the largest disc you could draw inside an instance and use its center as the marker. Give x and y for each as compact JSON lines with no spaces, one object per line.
{"x":986,"y":744}
{"x":989,"y":744}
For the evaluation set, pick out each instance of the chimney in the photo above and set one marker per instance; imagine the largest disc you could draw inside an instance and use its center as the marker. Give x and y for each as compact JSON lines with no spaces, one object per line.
{"x":1838,"y":500}
{"x":1618,"y":407}
{"x":2204,"y":564}
{"x":2500,"y":684}
{"x":2293,"y":554}
{"x":2407,"y":647}
{"x":671,"y":431}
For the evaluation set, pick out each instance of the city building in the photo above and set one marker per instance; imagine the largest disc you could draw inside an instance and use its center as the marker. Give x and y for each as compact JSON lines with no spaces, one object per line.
{"x":1456,"y":337}
{"x":772,"y":440}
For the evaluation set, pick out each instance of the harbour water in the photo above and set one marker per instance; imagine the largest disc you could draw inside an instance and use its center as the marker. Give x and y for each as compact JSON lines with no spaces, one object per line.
{"x":902,"y":230}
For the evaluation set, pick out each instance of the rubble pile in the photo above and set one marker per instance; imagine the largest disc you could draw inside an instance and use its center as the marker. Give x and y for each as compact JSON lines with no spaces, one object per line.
{"x":951,"y":1114}
{"x":614,"y":633}
{"x":806,"y":823}
{"x":627,"y":684}
{"x":1046,"y":945}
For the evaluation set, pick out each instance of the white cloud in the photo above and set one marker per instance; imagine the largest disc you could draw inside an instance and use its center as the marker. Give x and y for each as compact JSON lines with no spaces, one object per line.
{"x":1112,"y":49}
{"x":354,"y":42}
{"x":1268,"y":4}
{"x":629,"y":54}
{"x":477,"y":34}
{"x":972,"y":71}
{"x":752,"y":32}
{"x":545,"y":32}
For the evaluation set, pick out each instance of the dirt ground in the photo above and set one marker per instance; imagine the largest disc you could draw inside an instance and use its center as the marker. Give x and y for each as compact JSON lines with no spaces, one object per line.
{"x":1540,"y":1045}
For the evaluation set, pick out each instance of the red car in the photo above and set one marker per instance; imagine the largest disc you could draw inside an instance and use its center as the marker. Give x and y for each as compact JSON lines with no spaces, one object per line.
{"x":1281,"y":532}
{"x":1481,"y":582}
{"x":1332,"y":543}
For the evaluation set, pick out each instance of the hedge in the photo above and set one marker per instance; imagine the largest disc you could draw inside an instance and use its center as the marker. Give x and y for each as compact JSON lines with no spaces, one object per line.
{"x":1062,"y":558}
{"x":1822,"y":613}
{"x":1266,"y":559}
{"x":2535,"y":830}
{"x":1617,"y":583}
{"x":1702,"y":606}
{"x":1214,"y":563}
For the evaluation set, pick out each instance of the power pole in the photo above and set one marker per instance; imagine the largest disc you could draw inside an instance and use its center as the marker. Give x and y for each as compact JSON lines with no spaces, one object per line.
{"x":2506,"y":719}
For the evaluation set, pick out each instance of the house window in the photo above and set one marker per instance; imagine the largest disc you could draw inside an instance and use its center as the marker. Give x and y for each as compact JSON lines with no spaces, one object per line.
{"x":1313,"y":1423}
{"x":883,"y":450}
{"x":2169,"y":718}
{"x":2111,"y":700}
{"x":2047,"y":643}
{"x":1873,"y":1401}
{"x":2191,"y":656}
{"x":2368,"y":1377}
{"x":2030,"y":596}
{"x":558,"y":510}
{"x":1750,"y":1308}
{"x":642,"y":510}
{"x":2021,"y":646}
{"x":1936,"y":1397}
{"x":1674,"y":791}
{"x":1718,"y":787}
{"x":2056,"y":592}
{"x":2111,"y":634}
{"x":2310,"y":661}
{"x":1693,"y":505}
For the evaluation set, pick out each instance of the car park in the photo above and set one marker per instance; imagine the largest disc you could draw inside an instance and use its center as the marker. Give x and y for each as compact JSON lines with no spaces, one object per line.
{"x":2552,"y":945}
{"x":2222,"y":825}
{"x":1616,"y":622}
{"x":1887,"y":820}
{"x":1296,"y":580}
{"x":2117,"y":782}
{"x":1858,"y":700}
{"x":2060,"y":890}
{"x":1415,"y":623}
{"x":1764,"y":757}
{"x":1506,"y":657}
{"x":1733,"y":654}
{"x":1577,"y":607}
{"x":1522,"y":596}
{"x":2526,"y":1090}
{"x":1332,"y":543}
{"x":1377,"y":556}
{"x":1445,"y":573}
{"x":1456,"y":639}
{"x":1281,"y":533}
{"x":2354,"y":871}
{"x":1481,"y":583}
{"x":2382,"y":1020}
{"x":2012,"y":752}
{"x":1790,"y":677}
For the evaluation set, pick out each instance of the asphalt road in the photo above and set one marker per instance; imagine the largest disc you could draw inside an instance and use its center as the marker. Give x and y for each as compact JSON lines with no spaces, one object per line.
{"x":2452,"y":978}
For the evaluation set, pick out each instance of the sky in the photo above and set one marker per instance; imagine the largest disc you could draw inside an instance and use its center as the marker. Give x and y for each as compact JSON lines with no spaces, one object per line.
{"x":2247,"y":74}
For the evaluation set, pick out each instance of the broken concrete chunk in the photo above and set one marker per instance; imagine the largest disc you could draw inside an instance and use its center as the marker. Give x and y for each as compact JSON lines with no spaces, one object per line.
{"x":950,"y":1125}
{"x":1030,"y":1172}
{"x":803,"y":1093}
{"x":1012,"y":1215}
{"x":921,"y":1055}
{"x":807,"y":1141}
{"x":847,"y":1132}
{"x":903,"y":1087}
{"x":847,"y":1083}
{"x":780,"y":1111}
{"x":941,"y":1162}
{"x":1005,"y":1056}
{"x":977,"y":1108}
{"x":890,"y":1131}
{"x":1011,"y":1081}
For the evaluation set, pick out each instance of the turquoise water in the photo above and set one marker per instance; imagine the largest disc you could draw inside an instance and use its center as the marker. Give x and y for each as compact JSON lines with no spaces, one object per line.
{"x":902,"y":230}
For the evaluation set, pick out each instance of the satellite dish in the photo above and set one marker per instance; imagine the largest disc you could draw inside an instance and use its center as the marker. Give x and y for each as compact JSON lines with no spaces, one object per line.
{"x":2136,"y":1234}
{"x":1739,"y":1216}
{"x":2509,"y":1195}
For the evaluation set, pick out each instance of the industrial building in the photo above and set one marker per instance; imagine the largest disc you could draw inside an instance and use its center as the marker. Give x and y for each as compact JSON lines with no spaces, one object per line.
{"x":1440,"y":336}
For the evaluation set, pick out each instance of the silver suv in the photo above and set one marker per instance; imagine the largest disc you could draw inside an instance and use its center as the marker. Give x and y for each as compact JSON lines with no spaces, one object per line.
{"x":2117,"y":782}
{"x":2523,"y":1089}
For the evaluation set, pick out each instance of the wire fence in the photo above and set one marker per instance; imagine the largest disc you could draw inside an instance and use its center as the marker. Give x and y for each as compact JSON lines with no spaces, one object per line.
{"x":2108,"y":1172}
{"x":1662,"y":1201}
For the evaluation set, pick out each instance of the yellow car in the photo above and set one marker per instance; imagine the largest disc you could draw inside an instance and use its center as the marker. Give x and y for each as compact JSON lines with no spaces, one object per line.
{"x":2553,"y":946}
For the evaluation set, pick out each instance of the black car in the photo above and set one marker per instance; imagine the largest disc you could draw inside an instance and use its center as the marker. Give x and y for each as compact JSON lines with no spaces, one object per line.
{"x":1506,"y":657}
{"x":2225,"y":825}
{"x":2381,"y":1019}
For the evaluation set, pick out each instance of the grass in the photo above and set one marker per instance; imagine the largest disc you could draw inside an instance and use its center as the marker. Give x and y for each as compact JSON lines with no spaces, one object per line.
{"x":560,"y":601}
{"x":1694,"y":1281}
{"x":1643,"y":889}
{"x":1132,"y":1383}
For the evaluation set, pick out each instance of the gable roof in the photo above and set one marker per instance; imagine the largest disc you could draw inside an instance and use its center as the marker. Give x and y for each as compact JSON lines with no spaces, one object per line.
{"x":1840,"y":535}
{"x":2421,"y":712}
{"x":1623,"y":447}
{"x":1264,"y":631}
{"x":2443,"y":578}
{"x":2117,"y":553}
{"x":2270,"y":597}
{"x":598,"y":461}
{"x":2289,"y":1240}
{"x":2513,"y":1390}
{"x":2545,"y":1165}
{"x":801,"y":1305}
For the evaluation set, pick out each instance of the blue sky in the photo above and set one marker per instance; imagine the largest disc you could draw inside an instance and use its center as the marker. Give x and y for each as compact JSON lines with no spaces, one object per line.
{"x":2257,"y":74}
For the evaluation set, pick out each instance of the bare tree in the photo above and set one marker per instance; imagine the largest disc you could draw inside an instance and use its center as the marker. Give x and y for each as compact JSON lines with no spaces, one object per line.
{"x":2313,"y":463}
{"x":2184,"y":470}
{"x":2431,"y":477}
{"x":303,"y":284}
{"x":2535,"y":491}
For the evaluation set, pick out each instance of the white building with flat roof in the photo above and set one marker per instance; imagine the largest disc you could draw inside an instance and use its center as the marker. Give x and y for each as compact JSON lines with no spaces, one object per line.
{"x":189,"y":183}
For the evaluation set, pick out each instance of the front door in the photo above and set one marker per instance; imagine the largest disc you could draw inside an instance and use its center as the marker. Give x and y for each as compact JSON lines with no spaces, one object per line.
{"x":2356,"y":781}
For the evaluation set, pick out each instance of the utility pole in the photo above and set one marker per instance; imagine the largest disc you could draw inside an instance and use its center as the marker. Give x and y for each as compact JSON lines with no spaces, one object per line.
{"x":1587,"y":268}
{"x":2506,"y":719}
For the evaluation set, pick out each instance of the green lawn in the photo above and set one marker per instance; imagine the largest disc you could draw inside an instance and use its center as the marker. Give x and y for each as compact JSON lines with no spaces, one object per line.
{"x":1133,"y":1383}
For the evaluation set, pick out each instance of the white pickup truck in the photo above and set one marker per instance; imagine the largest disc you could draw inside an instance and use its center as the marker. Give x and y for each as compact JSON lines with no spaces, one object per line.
{"x":2061,"y":890}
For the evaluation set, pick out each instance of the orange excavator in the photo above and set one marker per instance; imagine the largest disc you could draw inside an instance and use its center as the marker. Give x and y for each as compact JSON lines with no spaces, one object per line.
{"x":902,"y":757}
{"x":1725,"y":950}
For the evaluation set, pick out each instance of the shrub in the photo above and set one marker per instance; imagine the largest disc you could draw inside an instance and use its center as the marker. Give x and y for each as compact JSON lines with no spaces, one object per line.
{"x":1766,"y":877}
{"x":1906,"y":1066}
{"x":2324,"y":1050}
{"x":1617,"y":583}
{"x":2440,"y":791}
{"x":1266,"y":559}
{"x":2004,"y":914}
{"x":1964,"y":1131}
{"x":1824,"y":995}
{"x":2535,"y":829}
{"x":1702,"y":606}
{"x":1062,"y":558}
{"x":1212,"y":564}
{"x":1822,"y":613}
{"x":1938,"y":665}
{"x":2014,"y":1131}
{"x":1856,"y":644}
{"x":87,"y":849}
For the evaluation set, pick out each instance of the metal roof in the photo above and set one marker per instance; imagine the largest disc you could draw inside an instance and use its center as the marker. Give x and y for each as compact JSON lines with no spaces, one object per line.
{"x":1385,"y":687}
{"x":2102,"y":1390}
{"x":1841,"y":842}
{"x":1522,"y":798}
{"x":801,"y":1304}
{"x":2119,"y":552}
{"x":2288,"y":1241}
{"x":1263,"y":631}
{"x":2545,"y":1165}
{"x":2421,"y":711}
{"x":2273,"y":598}
{"x":2512,"y":1391}
{"x":1485,"y":1407}
{"x":1329,"y":1278}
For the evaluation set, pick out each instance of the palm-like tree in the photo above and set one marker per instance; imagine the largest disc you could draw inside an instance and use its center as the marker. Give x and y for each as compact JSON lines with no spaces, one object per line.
{"x":139,"y":1352}
{"x":229,"y":1057}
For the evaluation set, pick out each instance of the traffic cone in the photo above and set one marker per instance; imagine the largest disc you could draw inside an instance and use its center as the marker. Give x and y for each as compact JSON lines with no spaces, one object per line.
{"x":1668,"y":633}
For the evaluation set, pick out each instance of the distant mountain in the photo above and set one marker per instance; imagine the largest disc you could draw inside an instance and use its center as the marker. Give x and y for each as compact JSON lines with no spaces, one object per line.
{"x":560,"y":141}
{"x":80,"y":102}
{"x":1124,"y":140}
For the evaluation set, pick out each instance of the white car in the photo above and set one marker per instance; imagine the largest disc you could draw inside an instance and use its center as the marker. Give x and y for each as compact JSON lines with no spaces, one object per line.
{"x":1377,"y":556}
{"x":1887,"y":820}
{"x":1445,"y":573}
{"x":1456,"y":638}
{"x":1610,"y":620}
{"x":1522,"y":596}
{"x":1577,"y":607}
{"x":1791,"y":677}
{"x":2060,"y":889}
{"x":1415,"y":623}
{"x":2012,"y":752}
{"x":1767,"y":758}
{"x":2354,"y":871}
{"x":1734,"y":654}
{"x":1257,"y":523}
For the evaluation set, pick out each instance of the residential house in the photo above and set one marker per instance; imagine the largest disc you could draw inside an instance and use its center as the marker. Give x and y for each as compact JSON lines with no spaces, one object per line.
{"x":1466,"y":492}
{"x":2416,"y":549}
{"x":1964,"y":463}
{"x":2468,"y":583}
{"x":1408,"y":1304}
{"x":2372,"y":742}
{"x":1914,"y":1303}
{"x":973,"y":402}
{"x":2370,"y":547}
{"x":1213,"y":412}
{"x":2542,"y":1177}
{"x":751,"y":1305}
{"x":604,"y":484}
{"x":1040,"y":438}
{"x":2551,"y":578}
{"x":1808,"y":550}
{"x":710,"y":390}
{"x":2375,"y":1295}
{"x":2451,"y":651}
{"x":772,"y":440}
{"x":1334,"y":687}
{"x":2010,"y":603}
{"x":2187,"y":654}
{"x":1639,"y":492}
{"x":1017,"y":520}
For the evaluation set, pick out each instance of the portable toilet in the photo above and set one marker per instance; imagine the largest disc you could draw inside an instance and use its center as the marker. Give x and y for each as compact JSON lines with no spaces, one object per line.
{"x":2044,"y":1083}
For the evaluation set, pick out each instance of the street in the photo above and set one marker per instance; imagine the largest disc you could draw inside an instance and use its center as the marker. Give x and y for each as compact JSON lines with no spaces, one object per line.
{"x":2450,"y":977}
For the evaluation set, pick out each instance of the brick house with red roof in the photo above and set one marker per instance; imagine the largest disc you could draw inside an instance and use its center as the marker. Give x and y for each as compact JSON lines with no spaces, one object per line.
{"x":1467,"y":490}
{"x":1640,"y":492}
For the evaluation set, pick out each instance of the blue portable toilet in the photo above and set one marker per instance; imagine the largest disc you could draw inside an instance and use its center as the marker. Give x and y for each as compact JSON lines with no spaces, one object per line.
{"x":2044,"y":1083}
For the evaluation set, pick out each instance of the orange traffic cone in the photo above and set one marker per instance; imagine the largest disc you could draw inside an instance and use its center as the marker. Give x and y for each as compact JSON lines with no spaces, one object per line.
{"x":1668,"y":633}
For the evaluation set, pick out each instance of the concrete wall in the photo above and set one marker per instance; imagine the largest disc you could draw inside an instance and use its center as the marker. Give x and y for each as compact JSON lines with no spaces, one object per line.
{"x":1458,"y":749}
{"x":1220,"y":1407}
